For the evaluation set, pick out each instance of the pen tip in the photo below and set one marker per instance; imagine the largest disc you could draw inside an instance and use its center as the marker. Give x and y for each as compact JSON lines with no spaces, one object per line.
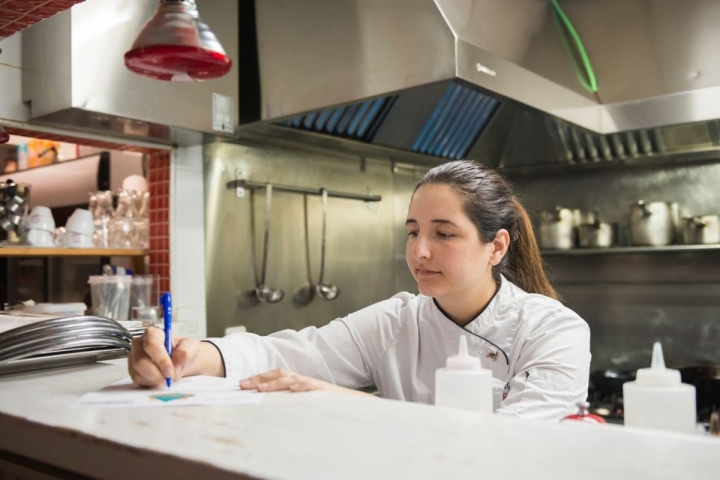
{"x":168,"y":381}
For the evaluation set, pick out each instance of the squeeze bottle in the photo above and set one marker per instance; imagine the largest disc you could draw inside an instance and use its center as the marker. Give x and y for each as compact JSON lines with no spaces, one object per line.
{"x":463,"y":383}
{"x":658,"y":400}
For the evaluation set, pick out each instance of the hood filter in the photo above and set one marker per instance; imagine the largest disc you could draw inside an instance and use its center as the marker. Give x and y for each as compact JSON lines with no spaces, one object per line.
{"x":455,"y":123}
{"x":359,"y":121}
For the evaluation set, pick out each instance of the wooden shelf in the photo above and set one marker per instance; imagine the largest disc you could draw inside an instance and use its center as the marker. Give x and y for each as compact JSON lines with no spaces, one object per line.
{"x":71,"y":252}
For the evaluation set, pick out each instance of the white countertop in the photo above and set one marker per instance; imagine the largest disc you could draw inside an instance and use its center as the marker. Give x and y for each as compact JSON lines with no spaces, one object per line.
{"x":321,"y":435}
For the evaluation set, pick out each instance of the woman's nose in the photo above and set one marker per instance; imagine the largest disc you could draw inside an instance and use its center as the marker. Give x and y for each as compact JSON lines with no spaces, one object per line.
{"x":421,"y":248}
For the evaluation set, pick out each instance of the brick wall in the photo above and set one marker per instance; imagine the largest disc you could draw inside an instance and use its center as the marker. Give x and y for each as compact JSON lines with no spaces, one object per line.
{"x":159,"y":187}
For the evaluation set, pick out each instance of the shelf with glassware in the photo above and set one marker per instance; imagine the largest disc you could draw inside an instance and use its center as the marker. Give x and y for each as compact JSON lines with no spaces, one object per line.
{"x":21,"y":251}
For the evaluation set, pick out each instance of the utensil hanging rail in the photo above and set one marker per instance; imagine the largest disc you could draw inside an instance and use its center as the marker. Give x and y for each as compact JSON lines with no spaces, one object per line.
{"x":308,"y":191}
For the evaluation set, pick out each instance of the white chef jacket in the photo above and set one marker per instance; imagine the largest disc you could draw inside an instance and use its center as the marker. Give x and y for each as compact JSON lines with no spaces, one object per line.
{"x":538,"y":351}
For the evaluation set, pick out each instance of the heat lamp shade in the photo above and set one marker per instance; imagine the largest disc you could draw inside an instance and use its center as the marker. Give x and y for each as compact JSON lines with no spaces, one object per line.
{"x":176,"y":45}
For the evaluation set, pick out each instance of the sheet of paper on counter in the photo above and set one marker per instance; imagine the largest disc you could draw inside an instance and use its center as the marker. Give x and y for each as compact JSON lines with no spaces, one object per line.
{"x":188,"y":391}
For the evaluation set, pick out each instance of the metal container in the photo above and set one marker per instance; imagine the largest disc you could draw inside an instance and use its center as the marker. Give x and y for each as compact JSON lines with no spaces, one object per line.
{"x":597,"y":235}
{"x":557,"y":229}
{"x":653,"y":224}
{"x":701,"y":230}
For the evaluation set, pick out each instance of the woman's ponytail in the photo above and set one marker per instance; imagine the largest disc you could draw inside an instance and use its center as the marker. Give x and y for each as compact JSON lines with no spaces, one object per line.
{"x":525,"y":266}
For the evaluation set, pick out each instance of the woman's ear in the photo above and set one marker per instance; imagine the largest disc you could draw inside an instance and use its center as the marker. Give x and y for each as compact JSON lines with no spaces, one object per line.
{"x":500,"y":245}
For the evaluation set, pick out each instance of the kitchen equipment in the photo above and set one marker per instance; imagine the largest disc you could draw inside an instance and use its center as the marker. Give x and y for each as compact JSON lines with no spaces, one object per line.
{"x":701,"y":229}
{"x":597,"y":234}
{"x":110,"y":295}
{"x":583,"y":415}
{"x":14,"y":200}
{"x":324,"y":289}
{"x":4,"y":136}
{"x":658,"y":400}
{"x":176,"y":45}
{"x":653,"y":224}
{"x":706,"y":380}
{"x":557,"y":229}
{"x":306,"y":294}
{"x":263,"y":292}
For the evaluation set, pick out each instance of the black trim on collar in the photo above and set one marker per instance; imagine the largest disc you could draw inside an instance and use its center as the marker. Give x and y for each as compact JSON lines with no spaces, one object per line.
{"x":507,"y":359}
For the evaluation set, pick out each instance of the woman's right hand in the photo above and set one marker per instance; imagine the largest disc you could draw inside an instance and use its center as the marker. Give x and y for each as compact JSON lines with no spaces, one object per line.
{"x":149,"y":363}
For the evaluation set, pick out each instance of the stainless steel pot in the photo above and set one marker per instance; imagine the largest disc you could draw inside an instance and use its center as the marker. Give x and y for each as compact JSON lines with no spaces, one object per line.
{"x":596,"y":233}
{"x":700,"y":230}
{"x":653,"y":224}
{"x":557,"y":229}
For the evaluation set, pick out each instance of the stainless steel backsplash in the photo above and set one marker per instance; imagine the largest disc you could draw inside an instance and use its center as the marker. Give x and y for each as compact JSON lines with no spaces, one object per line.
{"x":630,"y":301}
{"x":365,"y":241}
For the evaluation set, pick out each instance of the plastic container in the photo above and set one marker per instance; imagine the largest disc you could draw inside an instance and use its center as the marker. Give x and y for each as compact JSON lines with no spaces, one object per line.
{"x":463,"y":383}
{"x":110,"y":295}
{"x":143,"y":304}
{"x":658,"y":400}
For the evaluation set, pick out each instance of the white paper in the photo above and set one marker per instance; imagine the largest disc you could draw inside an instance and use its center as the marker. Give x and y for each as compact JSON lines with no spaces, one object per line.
{"x":188,"y":391}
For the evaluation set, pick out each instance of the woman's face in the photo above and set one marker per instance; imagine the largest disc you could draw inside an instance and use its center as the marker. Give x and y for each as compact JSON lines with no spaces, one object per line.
{"x":444,"y":250}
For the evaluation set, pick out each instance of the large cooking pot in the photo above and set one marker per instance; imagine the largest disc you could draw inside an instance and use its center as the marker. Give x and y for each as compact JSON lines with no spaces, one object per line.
{"x":557,"y":229}
{"x":700,"y":230}
{"x":654,"y":224}
{"x":706,"y":380}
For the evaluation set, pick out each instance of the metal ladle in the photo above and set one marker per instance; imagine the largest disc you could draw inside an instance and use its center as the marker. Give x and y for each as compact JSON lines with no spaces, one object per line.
{"x":325,"y":290}
{"x":263,"y":292}
{"x":305,"y":295}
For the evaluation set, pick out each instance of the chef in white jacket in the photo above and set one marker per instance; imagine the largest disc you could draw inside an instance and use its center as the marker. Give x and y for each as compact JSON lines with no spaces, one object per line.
{"x":473,"y":254}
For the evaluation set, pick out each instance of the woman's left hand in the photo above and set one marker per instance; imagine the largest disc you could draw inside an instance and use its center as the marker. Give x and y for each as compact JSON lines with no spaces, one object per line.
{"x":280,"y":379}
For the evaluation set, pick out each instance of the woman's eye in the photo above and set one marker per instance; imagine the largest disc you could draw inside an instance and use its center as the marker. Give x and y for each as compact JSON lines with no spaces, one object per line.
{"x":444,"y":235}
{"x":412,"y":234}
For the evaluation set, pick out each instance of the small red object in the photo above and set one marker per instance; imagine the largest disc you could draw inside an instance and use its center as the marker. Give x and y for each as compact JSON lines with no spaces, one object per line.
{"x":584,"y":415}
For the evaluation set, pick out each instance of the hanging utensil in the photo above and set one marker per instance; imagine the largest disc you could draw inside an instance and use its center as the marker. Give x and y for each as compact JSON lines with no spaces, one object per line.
{"x":263,"y":292}
{"x":306,"y":294}
{"x":325,"y":290}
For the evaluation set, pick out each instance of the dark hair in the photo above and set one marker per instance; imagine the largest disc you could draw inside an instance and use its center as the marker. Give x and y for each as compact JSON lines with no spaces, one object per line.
{"x":491,"y":205}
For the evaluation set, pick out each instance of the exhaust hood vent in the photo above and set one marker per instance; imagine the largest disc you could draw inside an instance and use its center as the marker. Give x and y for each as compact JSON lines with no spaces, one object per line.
{"x":580,"y":146}
{"x":442,"y":120}
{"x":358,"y":122}
{"x":455,"y":124}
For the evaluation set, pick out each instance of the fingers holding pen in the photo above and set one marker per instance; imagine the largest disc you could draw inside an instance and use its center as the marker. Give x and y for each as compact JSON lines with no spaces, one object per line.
{"x":142,"y":369}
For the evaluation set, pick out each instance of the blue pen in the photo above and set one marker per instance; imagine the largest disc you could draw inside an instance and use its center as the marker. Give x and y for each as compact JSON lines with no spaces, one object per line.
{"x":166,"y":303}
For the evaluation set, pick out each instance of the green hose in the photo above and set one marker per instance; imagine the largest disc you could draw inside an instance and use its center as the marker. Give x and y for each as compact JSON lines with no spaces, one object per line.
{"x":592,"y":86}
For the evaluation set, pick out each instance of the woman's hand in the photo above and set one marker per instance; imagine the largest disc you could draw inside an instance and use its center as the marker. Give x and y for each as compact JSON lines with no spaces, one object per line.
{"x":279,"y":379}
{"x":149,"y":363}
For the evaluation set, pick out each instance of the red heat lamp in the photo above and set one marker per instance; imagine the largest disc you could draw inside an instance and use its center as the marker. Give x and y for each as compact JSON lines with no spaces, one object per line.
{"x":4,"y":136}
{"x":176,"y":45}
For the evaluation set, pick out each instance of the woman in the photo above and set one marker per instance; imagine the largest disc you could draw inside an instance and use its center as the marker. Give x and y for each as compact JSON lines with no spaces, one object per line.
{"x":473,"y":254}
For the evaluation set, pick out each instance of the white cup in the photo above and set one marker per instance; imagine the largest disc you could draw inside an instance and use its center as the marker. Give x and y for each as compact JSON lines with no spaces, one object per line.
{"x":39,"y":238}
{"x":40,"y":218}
{"x":81,"y":221}
{"x":77,"y":240}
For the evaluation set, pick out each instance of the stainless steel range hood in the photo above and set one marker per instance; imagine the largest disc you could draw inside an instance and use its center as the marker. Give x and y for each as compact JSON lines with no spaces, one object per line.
{"x":485,"y":78}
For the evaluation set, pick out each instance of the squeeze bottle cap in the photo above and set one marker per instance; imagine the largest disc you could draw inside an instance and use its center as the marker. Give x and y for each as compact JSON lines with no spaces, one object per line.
{"x":657,"y":375}
{"x":463,"y":360}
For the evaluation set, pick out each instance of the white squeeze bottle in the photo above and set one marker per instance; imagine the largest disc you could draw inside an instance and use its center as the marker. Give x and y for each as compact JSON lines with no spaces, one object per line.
{"x":464,"y":383}
{"x":657,"y":399}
